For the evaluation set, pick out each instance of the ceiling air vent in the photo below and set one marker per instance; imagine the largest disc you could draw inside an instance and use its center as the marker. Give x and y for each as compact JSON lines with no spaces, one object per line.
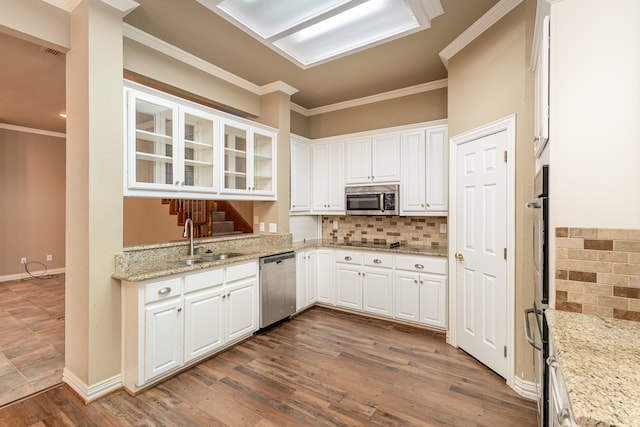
{"x":50,"y":51}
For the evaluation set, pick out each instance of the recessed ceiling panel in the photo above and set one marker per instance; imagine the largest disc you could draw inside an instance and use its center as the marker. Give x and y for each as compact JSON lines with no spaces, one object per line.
{"x":353,"y":29}
{"x":270,"y":17}
{"x":310,"y":32}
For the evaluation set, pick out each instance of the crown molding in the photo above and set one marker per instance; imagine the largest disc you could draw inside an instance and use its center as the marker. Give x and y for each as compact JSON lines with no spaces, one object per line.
{"x":32,"y":130}
{"x":492,"y":16}
{"x":384,"y":96}
{"x":178,"y":54}
{"x":124,"y":6}
{"x":278,"y":86}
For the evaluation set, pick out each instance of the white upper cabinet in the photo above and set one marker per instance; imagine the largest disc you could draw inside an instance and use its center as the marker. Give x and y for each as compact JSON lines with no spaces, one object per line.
{"x":300,"y":176}
{"x":177,"y":148}
{"x":373,"y":159}
{"x":248,"y":160}
{"x":328,"y":177}
{"x":424,"y":189}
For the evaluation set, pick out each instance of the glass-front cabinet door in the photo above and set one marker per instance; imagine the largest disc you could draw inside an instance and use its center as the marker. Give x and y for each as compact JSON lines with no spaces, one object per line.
{"x":198,"y":151}
{"x":263,"y":161}
{"x":151,"y":142}
{"x":235,"y":153}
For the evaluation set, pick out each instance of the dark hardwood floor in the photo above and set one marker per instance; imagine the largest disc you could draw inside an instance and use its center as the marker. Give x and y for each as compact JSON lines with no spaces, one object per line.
{"x":324,"y":367}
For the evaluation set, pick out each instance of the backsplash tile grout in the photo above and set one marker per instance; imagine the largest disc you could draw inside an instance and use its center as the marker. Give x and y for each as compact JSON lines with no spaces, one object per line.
{"x":598,"y":272}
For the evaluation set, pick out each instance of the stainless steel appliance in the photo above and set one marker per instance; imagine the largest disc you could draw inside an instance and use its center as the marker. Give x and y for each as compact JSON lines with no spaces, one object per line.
{"x":277,"y":288}
{"x":538,"y":336}
{"x":372,"y":200}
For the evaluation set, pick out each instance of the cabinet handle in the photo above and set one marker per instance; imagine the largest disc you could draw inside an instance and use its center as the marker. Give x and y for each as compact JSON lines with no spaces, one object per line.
{"x":422,"y":205}
{"x":564,"y":418}
{"x":428,"y":205}
{"x":229,"y":295}
{"x":348,"y":258}
{"x":552,"y":362}
{"x":164,"y":291}
{"x":373,"y":177}
{"x":180,"y":309}
{"x":415,"y":281}
{"x":377,"y":261}
{"x":368,"y":177}
{"x":419,"y":266}
{"x":177,"y":183}
{"x":224,"y":296}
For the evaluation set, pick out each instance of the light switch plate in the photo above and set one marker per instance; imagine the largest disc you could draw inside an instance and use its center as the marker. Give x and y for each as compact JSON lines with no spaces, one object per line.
{"x":335,"y":225}
{"x":443,"y":228}
{"x":273,"y":227}
{"x":262,"y":226}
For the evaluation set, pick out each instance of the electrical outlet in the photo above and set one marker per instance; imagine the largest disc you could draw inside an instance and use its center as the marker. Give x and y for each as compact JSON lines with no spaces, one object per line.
{"x":335,"y":225}
{"x":23,"y":260}
{"x":273,"y":227}
{"x":443,"y":228}
{"x":49,"y":257}
{"x":262,"y":226}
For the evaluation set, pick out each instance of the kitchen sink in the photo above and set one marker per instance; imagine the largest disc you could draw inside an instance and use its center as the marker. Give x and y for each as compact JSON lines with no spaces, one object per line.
{"x":205,"y":258}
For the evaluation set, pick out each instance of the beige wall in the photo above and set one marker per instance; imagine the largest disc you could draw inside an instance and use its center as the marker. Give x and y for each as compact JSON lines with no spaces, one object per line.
{"x":489,"y":80}
{"x":36,"y":21}
{"x":147,"y":221}
{"x":421,"y":107}
{"x":32,"y":201}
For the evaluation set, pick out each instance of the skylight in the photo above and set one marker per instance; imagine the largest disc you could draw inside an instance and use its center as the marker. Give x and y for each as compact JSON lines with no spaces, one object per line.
{"x":310,"y":32}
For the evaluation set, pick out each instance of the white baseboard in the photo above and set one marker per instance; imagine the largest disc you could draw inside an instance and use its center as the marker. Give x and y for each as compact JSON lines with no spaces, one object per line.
{"x":25,"y":275}
{"x":95,"y":391}
{"x":524,"y":388}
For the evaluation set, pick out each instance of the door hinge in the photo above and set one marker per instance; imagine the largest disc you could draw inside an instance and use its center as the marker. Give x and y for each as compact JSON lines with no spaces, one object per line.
{"x":505,"y":156}
{"x":505,"y":351}
{"x":505,"y":253}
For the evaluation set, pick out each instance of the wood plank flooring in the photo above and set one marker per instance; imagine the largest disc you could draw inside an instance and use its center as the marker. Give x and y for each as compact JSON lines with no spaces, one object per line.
{"x":324,"y":367}
{"x":31,"y":336}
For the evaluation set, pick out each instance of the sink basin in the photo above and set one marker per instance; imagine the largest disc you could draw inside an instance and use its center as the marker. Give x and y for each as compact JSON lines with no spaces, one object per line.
{"x":205,"y":258}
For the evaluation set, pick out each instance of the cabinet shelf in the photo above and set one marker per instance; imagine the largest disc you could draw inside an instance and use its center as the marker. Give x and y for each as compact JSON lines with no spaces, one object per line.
{"x":232,"y":152}
{"x":197,"y":163}
{"x":261,"y":157}
{"x":153,"y":157}
{"x":152,"y":136}
{"x":234,"y":173}
{"x":198,"y":145}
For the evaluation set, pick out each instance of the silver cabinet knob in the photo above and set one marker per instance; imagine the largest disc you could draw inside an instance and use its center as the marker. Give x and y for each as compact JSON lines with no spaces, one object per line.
{"x":164,"y":291}
{"x":564,"y":418}
{"x":419,"y":266}
{"x":348,"y":258}
{"x":377,"y":261}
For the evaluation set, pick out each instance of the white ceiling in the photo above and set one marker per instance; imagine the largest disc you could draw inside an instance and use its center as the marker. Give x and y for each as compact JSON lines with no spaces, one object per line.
{"x":32,"y":80}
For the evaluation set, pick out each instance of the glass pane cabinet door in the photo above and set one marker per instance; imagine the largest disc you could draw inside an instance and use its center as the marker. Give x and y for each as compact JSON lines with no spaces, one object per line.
{"x":198,"y":152}
{"x":153,"y":143}
{"x":235,"y":158}
{"x":262,"y":163}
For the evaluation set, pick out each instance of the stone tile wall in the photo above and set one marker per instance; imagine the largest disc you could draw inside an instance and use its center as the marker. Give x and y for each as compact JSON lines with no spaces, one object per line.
{"x":598,"y":272}
{"x":386,"y":229}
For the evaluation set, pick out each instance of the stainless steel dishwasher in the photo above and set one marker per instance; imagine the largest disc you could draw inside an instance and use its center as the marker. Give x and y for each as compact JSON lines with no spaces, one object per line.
{"x":277,"y":288}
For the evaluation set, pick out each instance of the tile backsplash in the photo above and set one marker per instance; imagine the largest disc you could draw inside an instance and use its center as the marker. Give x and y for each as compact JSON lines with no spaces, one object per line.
{"x":386,"y":229}
{"x":598,"y":272}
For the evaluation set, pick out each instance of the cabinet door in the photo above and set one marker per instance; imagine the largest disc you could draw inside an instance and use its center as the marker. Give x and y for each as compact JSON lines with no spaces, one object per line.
{"x":385,"y":158}
{"x":378,"y":291}
{"x":203,"y":320}
{"x":320,"y":180}
{"x":407,"y":296}
{"x":312,"y":269}
{"x":262,"y":179}
{"x":413,"y":186}
{"x":433,"y":300}
{"x":300,"y":176}
{"x":163,"y":337}
{"x":324,"y":276}
{"x":335,"y":177}
{"x":197,"y":157}
{"x":348,"y":286}
{"x":437,"y":169}
{"x":235,"y":152}
{"x":241,"y":308}
{"x":301,"y":280}
{"x":358,"y":161}
{"x":152,"y":129}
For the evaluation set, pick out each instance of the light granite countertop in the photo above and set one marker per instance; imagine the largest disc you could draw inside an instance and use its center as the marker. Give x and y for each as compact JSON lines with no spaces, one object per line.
{"x":139,"y":263}
{"x":600,"y":361}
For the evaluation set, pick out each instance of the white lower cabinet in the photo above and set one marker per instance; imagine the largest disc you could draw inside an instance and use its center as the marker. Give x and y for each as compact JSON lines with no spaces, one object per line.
{"x":377,"y":286}
{"x":421,"y":290}
{"x":324,"y":277}
{"x":348,"y":279}
{"x":171,"y":322}
{"x":306,"y":288}
{"x":560,"y":413}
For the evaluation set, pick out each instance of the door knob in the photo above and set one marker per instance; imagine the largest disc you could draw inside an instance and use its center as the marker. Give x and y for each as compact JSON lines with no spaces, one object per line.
{"x":459,"y":256}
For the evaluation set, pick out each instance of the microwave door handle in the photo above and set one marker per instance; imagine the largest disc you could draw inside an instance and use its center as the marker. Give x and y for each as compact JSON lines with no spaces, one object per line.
{"x":381,"y":202}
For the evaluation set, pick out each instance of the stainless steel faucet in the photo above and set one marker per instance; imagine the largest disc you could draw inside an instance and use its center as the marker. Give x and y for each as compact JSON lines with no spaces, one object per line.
{"x":188,"y":229}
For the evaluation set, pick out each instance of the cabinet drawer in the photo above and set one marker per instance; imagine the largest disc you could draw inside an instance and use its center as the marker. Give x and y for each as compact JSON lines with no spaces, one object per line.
{"x":434,"y":265}
{"x":349,"y":257}
{"x":162,"y":290}
{"x":240,"y":271}
{"x":377,"y":259}
{"x":204,"y":279}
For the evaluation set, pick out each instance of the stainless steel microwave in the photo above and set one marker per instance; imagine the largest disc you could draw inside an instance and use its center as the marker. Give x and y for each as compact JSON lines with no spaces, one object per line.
{"x":372,"y":200}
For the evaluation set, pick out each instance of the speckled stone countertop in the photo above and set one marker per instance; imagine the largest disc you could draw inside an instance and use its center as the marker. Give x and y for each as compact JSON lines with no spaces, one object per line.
{"x":139,"y":263}
{"x":600,"y":361}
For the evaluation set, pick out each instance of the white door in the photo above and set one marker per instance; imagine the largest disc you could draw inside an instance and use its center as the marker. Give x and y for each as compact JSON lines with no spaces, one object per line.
{"x":163,"y":337}
{"x":481,"y":241}
{"x":203,"y":322}
{"x":241,"y":308}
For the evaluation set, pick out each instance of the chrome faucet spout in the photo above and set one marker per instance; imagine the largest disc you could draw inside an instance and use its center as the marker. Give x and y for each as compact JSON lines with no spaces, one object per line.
{"x":188,"y":230}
